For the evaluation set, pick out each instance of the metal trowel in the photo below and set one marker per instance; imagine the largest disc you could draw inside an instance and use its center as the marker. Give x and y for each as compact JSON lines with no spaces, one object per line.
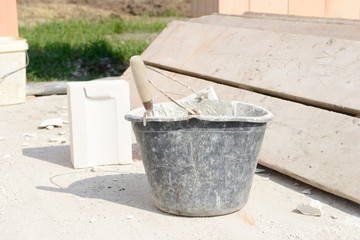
{"x":143,"y":87}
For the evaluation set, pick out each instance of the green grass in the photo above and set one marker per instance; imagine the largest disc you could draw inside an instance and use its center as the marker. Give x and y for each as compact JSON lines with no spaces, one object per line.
{"x":85,"y":49}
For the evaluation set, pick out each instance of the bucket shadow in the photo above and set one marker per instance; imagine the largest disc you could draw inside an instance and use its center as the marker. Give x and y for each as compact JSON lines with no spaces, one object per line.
{"x":126,"y":189}
{"x":330,"y":199}
{"x":53,"y":154}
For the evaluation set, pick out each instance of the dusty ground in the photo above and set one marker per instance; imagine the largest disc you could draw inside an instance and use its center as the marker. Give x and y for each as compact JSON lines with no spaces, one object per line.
{"x":40,"y":10}
{"x":43,"y":197}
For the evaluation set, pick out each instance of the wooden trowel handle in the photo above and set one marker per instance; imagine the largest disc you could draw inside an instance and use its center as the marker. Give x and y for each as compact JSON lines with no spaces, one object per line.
{"x":142,"y":84}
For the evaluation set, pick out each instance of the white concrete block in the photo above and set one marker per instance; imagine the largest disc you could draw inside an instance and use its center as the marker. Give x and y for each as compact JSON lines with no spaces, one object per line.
{"x":99,"y":133}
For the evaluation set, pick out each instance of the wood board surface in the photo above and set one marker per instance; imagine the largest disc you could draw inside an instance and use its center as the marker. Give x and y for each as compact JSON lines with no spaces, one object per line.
{"x":332,"y":30}
{"x":316,"y":146}
{"x":319,"y":71}
{"x":302,"y":18}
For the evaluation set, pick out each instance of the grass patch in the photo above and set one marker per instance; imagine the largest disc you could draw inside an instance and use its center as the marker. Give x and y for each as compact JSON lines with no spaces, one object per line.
{"x":85,"y":49}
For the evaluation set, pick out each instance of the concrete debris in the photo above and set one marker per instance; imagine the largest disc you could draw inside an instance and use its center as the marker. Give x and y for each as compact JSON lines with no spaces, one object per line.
{"x":296,"y":184}
{"x":7,"y":156}
{"x":62,"y":133}
{"x":65,"y":121}
{"x":92,"y":220}
{"x":2,"y":138}
{"x":129,"y":217}
{"x":31,"y":135}
{"x":312,"y":208}
{"x":58,"y":140}
{"x":46,"y":88}
{"x":25,"y":144}
{"x":55,"y":122}
{"x":49,"y":127}
{"x":96,"y":169}
{"x":307,"y":191}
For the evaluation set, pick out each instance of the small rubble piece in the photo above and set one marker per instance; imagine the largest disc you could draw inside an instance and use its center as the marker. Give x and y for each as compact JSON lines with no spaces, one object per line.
{"x":307,"y":192}
{"x":54,"y":122}
{"x":296,"y":184}
{"x":96,"y":169}
{"x":2,"y":138}
{"x":49,"y":127}
{"x":25,"y":144}
{"x":62,"y":133}
{"x":7,"y":156}
{"x":58,"y":140}
{"x":65,"y":121}
{"x":30,"y":135}
{"x":92,"y":220}
{"x":129,"y":217}
{"x":312,"y":208}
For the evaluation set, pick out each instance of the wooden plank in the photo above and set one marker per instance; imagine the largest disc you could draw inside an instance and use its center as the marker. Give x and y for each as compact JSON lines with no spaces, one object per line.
{"x":343,"y":9}
{"x":236,"y":7}
{"x":331,"y":30}
{"x":315,"y":146}
{"x":269,"y":6}
{"x":313,"y":70}
{"x":8,"y":18}
{"x":314,"y":8}
{"x":204,"y":7}
{"x":302,"y":18}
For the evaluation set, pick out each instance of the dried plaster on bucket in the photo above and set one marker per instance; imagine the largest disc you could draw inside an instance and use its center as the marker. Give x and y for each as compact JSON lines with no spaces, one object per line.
{"x":208,"y":110}
{"x":200,"y":165}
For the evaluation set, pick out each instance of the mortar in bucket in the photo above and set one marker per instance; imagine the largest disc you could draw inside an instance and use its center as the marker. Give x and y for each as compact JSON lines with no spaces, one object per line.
{"x":197,"y":164}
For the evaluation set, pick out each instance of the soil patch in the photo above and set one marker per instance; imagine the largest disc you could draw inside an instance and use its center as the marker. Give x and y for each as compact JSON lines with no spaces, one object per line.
{"x":41,"y":10}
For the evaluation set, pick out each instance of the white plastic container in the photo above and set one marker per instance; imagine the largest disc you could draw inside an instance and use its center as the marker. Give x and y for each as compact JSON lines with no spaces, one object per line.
{"x":12,"y":70}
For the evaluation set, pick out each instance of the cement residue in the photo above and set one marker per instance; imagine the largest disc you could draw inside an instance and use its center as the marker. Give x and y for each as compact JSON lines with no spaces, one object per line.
{"x":208,"y":110}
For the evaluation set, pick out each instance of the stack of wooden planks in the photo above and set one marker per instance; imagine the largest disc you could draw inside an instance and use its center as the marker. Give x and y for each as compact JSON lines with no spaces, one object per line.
{"x":307,"y":73}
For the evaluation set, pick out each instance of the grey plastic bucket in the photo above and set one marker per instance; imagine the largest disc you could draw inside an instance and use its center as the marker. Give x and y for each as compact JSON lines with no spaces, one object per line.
{"x":200,"y":165}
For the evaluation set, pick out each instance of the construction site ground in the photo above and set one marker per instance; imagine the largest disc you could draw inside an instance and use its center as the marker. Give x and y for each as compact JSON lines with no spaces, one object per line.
{"x":43,"y":197}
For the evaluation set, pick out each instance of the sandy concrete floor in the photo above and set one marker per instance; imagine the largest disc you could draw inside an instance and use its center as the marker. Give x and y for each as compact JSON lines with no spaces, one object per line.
{"x":43,"y":197}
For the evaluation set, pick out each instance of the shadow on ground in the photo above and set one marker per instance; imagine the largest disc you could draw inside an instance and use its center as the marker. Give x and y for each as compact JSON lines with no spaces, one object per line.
{"x":53,"y":154}
{"x":339,"y":203}
{"x":130,"y":189}
{"x":61,"y":155}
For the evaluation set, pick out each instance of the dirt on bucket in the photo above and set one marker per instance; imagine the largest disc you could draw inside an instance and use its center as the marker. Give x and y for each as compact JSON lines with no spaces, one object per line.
{"x":203,"y":164}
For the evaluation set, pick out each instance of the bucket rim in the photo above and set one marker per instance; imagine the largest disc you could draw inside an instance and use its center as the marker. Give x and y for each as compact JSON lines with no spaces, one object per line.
{"x":136,"y":115}
{"x":13,"y":44}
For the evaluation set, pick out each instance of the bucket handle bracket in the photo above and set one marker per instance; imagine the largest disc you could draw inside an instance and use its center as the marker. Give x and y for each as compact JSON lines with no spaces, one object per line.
{"x":2,"y":78}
